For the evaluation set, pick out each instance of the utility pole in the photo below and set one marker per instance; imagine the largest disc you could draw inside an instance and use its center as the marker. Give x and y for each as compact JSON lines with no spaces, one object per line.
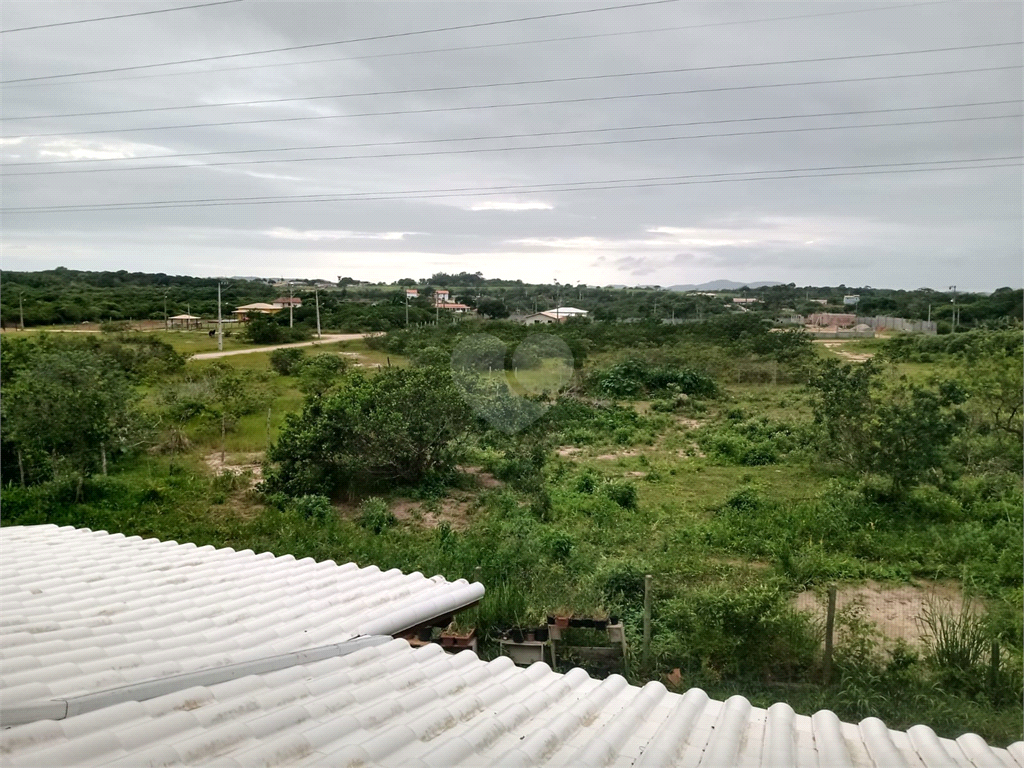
{"x":291,"y":309}
{"x":929,"y":313}
{"x":953,"y":289}
{"x":21,"y":309}
{"x":316,"y":296}
{"x":407,"y":308}
{"x":220,"y":323}
{"x":165,"y":310}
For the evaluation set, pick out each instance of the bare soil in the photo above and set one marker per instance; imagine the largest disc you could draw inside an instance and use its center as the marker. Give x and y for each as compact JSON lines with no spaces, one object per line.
{"x":619,"y":455}
{"x":895,"y":610}
{"x":568,"y":450}
{"x":857,"y":357}
{"x":484,"y":479}
{"x":236,"y":464}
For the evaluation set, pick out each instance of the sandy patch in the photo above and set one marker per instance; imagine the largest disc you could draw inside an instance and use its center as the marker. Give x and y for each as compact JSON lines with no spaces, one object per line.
{"x":689,"y":423}
{"x":453,"y":510}
{"x":857,"y":357}
{"x":619,"y":455}
{"x":568,"y":450}
{"x":635,"y":474}
{"x":484,"y":479}
{"x":236,"y":464}
{"x":894,"y":610}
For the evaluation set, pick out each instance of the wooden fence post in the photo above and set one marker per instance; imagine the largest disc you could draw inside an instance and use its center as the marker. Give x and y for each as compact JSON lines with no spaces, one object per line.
{"x":830,"y":624}
{"x":993,"y":672}
{"x":646,"y":654}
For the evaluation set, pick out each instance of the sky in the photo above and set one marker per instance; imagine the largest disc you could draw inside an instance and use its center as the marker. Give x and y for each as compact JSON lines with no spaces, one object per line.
{"x":459,"y":179}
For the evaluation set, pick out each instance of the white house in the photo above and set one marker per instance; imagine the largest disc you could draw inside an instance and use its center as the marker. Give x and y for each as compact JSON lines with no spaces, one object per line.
{"x":287,"y":301}
{"x":556,"y":315}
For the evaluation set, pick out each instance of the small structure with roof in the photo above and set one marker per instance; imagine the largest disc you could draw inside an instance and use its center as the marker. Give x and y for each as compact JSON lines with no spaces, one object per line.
{"x":287,"y":301}
{"x":185,"y":321}
{"x":246,"y":311}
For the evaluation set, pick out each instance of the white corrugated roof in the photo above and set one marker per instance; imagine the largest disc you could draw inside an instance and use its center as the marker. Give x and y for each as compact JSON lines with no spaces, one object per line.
{"x":390,"y":705}
{"x":84,"y":611}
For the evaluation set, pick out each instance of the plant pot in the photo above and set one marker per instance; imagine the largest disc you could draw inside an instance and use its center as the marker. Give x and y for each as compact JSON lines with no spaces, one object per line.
{"x":531,"y":636}
{"x":613,"y":620}
{"x":551,"y":619}
{"x":562,"y":622}
{"x":600,"y":624}
{"x":517,"y":635}
{"x":424,"y":634}
{"x":587,"y":623}
{"x":542,"y":634}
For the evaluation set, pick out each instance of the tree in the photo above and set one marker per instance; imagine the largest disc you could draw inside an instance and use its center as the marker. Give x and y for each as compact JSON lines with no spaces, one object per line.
{"x":75,"y":408}
{"x":398,"y":426}
{"x":897,"y":429}
{"x":493,"y":308}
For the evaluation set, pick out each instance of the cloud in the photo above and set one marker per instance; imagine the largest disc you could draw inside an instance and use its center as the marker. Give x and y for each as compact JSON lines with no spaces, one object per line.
{"x":494,"y":205}
{"x":284,"y":233}
{"x":77,"y":149}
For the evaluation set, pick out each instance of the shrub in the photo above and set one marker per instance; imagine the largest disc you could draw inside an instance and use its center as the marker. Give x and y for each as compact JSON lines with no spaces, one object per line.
{"x":622,"y":493}
{"x":313,"y":507}
{"x":375,"y":516}
{"x":286,"y":361}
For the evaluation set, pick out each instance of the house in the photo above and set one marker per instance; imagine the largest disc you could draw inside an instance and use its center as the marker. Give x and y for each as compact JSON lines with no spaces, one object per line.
{"x":739,"y":300}
{"x":287,"y":301}
{"x":441,"y":297}
{"x":556,"y":315}
{"x":412,"y":293}
{"x":134,"y":651}
{"x":247,"y":311}
{"x":852,"y":300}
{"x":459,"y":309}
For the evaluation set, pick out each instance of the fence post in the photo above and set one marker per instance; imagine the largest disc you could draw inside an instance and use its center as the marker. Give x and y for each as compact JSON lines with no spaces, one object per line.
{"x":993,"y":672}
{"x":646,"y":654}
{"x":830,"y":624}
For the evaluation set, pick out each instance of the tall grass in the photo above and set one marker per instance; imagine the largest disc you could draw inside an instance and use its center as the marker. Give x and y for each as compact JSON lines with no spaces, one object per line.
{"x":956,"y":642}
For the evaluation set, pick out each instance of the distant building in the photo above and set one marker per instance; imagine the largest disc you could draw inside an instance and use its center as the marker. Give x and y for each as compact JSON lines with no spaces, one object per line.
{"x":739,"y":300}
{"x":459,"y":309}
{"x":818,"y":301}
{"x":838,"y":320}
{"x":247,"y":311}
{"x":851,"y":301}
{"x":287,"y":301}
{"x":441,"y":297}
{"x":556,"y":315}
{"x":412,"y":293}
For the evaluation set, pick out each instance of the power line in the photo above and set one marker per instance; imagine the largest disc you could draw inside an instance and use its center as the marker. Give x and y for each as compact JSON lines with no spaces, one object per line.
{"x":543,"y":81}
{"x":482,"y":46}
{"x":306,"y":46}
{"x":480,"y":150}
{"x":119,"y":16}
{"x":520,"y":189}
{"x":310,"y":148}
{"x":505,"y":105}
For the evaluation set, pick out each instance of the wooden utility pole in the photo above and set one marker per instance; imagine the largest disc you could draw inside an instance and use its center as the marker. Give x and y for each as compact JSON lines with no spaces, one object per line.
{"x":21,"y":309}
{"x":407,"y":308}
{"x":220,"y":323}
{"x":316,"y":296}
{"x":830,"y":624}
{"x":165,"y":310}
{"x":291,"y":309}
{"x":645,"y":659}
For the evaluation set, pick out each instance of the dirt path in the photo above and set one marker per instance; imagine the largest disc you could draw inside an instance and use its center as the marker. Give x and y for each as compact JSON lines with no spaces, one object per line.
{"x":837,"y":347}
{"x":328,"y":338}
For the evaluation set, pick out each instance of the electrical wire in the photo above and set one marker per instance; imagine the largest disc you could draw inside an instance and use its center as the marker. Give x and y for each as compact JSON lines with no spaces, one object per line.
{"x":119,"y":16}
{"x":627,"y":183}
{"x":543,"y":81}
{"x":482,"y":46}
{"x":479,"y":150}
{"x":307,"y":46}
{"x":506,"y":105}
{"x":538,"y":134}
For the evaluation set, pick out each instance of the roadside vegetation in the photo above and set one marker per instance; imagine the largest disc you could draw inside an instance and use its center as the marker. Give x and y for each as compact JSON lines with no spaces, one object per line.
{"x":745,"y":468}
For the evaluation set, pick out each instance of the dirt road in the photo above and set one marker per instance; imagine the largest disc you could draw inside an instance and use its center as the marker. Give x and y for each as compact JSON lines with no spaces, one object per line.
{"x":328,"y":338}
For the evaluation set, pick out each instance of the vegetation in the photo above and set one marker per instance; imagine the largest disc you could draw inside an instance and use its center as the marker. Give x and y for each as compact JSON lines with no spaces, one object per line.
{"x":741,"y":466}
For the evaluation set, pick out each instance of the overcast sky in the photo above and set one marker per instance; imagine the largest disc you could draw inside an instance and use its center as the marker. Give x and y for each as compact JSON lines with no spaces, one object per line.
{"x":904,"y":230}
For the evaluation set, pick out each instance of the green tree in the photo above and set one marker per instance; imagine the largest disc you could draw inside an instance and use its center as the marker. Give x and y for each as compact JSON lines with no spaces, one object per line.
{"x":398,"y":426}
{"x":74,"y":407}
{"x":492,"y":308}
{"x":897,"y":429}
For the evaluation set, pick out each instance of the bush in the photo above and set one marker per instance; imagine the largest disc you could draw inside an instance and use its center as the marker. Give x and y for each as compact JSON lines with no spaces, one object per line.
{"x":286,"y":361}
{"x":375,"y":516}
{"x":313,"y":507}
{"x":633,"y":378}
{"x":622,"y":493}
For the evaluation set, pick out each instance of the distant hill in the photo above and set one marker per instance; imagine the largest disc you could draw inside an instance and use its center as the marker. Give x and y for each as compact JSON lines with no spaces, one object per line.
{"x":723,"y":285}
